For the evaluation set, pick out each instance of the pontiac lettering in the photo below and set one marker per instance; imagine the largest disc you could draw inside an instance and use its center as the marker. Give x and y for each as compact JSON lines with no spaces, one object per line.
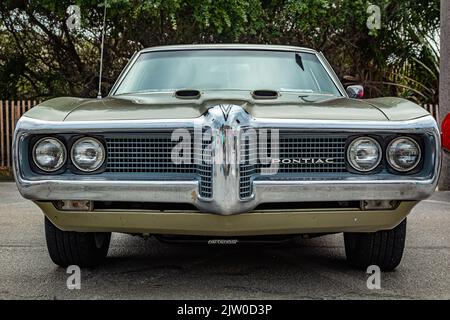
{"x":304,"y":161}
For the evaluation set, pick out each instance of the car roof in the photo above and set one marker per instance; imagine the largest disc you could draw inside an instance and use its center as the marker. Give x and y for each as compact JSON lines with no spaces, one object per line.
{"x":230,"y":46}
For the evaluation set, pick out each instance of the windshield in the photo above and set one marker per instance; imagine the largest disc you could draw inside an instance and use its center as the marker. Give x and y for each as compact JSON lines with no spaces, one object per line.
{"x":228,"y":70}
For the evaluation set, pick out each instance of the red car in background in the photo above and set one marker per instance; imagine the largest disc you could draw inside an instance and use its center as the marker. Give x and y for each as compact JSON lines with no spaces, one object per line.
{"x":446,"y":133}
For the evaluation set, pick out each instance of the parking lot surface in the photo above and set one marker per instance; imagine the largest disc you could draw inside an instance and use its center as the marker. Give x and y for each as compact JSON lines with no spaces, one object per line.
{"x":147,"y":269}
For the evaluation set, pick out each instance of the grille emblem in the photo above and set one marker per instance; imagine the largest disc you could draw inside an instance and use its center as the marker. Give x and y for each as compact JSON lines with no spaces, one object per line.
{"x":226,"y":108}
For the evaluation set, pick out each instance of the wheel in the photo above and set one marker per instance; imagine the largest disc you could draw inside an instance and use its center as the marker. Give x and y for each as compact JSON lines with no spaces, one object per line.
{"x":76,"y":248}
{"x":382,"y":248}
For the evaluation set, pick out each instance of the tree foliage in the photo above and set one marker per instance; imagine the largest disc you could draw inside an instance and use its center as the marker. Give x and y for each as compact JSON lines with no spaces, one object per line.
{"x":40,"y":56}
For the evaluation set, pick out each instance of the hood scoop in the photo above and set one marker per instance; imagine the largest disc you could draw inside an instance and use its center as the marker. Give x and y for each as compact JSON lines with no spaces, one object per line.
{"x":265,"y":94}
{"x":187,"y":94}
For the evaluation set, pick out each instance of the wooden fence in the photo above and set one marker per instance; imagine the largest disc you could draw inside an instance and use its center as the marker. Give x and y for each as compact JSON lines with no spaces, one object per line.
{"x":11,"y":111}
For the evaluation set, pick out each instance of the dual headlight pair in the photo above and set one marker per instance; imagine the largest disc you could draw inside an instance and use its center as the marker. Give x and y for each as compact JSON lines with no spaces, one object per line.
{"x":50,"y":154}
{"x":403,"y":154}
{"x":364,"y":154}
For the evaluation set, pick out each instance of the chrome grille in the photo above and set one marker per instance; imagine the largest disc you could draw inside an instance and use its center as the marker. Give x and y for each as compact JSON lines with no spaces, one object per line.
{"x":325,"y":147}
{"x":150,"y":153}
{"x":293,"y":146}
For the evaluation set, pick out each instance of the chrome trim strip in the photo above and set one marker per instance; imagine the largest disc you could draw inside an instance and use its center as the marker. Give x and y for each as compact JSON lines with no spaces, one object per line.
{"x":332,"y":73}
{"x":344,"y":190}
{"x":122,"y":73}
{"x":419,"y":125}
{"x":27,"y":124}
{"x":230,"y":46}
{"x":98,"y":190}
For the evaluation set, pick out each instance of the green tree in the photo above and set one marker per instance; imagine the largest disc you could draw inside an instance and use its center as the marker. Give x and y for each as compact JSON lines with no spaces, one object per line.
{"x":40,"y":56}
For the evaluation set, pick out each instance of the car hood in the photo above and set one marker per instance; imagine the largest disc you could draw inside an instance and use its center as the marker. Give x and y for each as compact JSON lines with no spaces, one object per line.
{"x":167,"y":106}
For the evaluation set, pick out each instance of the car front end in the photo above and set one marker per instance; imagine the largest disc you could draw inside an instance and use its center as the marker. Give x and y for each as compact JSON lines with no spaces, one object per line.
{"x":227,"y":162}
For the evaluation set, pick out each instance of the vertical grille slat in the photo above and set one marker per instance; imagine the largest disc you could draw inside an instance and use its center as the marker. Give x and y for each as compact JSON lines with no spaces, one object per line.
{"x":204,"y":169}
{"x":247,"y":169}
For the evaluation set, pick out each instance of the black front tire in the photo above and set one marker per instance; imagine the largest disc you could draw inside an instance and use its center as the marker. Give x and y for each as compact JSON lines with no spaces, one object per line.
{"x":76,"y":248}
{"x":382,"y":248}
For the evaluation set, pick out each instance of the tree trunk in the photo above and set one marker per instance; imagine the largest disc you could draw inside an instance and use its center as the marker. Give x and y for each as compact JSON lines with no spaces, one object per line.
{"x":444,"y":90}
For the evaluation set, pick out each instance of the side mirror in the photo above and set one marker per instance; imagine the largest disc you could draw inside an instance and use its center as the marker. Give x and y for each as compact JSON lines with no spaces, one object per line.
{"x":355,"y":92}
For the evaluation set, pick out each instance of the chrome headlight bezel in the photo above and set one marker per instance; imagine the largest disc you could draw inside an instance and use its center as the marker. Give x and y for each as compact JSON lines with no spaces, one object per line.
{"x":60,"y":164}
{"x":98,"y":166}
{"x":390,"y":161}
{"x":353,"y":165}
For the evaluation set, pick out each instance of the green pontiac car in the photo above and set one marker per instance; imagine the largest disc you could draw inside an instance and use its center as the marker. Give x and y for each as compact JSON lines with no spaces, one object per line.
{"x":225,"y":143}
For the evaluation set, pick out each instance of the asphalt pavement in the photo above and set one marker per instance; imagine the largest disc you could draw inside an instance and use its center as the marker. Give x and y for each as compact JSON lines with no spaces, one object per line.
{"x":147,"y":269}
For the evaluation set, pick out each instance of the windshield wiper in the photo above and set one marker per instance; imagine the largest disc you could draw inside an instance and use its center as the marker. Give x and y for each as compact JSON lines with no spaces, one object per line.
{"x":299,"y":61}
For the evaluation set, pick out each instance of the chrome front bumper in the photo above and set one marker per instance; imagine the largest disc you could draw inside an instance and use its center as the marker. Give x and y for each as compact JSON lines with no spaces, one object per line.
{"x":225,"y":176}
{"x":187,"y":191}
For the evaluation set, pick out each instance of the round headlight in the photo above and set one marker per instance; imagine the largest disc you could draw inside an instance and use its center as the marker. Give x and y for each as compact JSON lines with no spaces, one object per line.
{"x":88,"y":154}
{"x":49,"y":154}
{"x":364,"y":154}
{"x":403,"y":154}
